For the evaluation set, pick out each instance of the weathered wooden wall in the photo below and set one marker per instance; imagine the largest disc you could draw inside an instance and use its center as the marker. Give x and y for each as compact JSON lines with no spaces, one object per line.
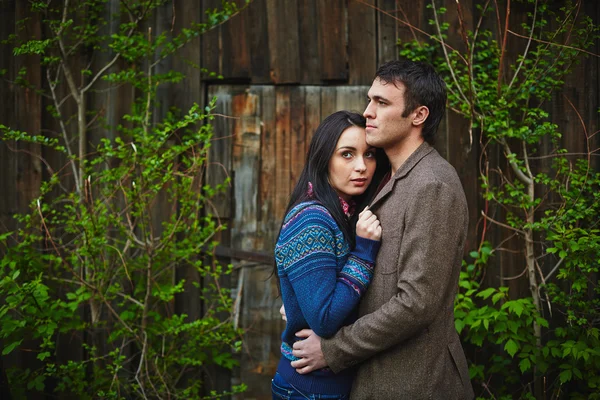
{"x":285,"y":65}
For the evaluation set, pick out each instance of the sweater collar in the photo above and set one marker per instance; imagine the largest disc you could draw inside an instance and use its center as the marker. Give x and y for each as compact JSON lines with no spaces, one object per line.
{"x":347,"y":206}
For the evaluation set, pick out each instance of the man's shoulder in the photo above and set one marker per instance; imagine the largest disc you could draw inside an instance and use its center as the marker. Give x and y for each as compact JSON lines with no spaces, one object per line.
{"x":434,"y":168}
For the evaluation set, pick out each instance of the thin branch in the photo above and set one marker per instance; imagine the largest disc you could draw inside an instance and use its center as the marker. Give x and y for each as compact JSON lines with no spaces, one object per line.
{"x":503,"y":49}
{"x":63,"y":129}
{"x":526,"y":47}
{"x":448,"y":63}
{"x":556,"y":44}
{"x":520,"y":174}
{"x":501,"y":224}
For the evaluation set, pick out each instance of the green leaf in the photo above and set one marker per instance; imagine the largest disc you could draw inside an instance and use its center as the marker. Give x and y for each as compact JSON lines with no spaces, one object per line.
{"x":566,"y":376}
{"x":8,"y":349}
{"x":497,"y":297}
{"x":486,"y":293}
{"x":511,"y":347}
{"x":525,"y":365}
{"x":459,"y":325}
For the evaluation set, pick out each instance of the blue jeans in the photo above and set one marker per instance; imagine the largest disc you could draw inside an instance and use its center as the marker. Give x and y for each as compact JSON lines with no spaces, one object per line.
{"x":283,"y":390}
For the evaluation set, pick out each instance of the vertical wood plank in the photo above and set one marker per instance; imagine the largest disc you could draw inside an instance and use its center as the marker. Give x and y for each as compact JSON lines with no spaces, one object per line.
{"x":362,"y":43}
{"x":27,"y":166}
{"x":28,"y":113}
{"x":282,"y":148}
{"x":416,"y":14}
{"x":236,"y":47}
{"x":454,"y":141}
{"x":386,"y":31}
{"x":269,"y":219}
{"x":284,"y":44}
{"x":309,"y":41}
{"x":298,"y":134}
{"x":333,"y":40}
{"x":8,"y":204}
{"x":183,"y":96}
{"x":212,"y":42}
{"x":190,"y":90}
{"x":219,"y":155}
{"x":328,"y":101}
{"x":312,"y":114}
{"x":263,"y":325}
{"x":245,"y":163}
{"x":351,"y":98}
{"x":258,"y":39}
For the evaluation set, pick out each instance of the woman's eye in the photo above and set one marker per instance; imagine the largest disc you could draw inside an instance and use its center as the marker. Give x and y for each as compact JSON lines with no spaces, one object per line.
{"x":370,"y":154}
{"x":346,"y":154}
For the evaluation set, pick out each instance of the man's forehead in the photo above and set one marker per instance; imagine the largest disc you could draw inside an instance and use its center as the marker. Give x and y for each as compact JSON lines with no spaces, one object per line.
{"x":381,"y":88}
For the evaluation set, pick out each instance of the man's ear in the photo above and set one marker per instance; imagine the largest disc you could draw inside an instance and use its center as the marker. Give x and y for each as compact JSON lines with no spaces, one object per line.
{"x":421,"y":113}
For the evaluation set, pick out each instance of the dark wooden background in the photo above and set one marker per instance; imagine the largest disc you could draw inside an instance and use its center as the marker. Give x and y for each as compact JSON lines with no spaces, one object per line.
{"x":285,"y":65}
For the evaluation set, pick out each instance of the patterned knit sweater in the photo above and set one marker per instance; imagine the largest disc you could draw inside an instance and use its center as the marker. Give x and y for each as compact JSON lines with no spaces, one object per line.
{"x":321,"y":282}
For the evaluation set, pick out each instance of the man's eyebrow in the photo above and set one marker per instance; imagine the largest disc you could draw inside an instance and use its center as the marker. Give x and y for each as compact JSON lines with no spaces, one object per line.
{"x":378,"y":98}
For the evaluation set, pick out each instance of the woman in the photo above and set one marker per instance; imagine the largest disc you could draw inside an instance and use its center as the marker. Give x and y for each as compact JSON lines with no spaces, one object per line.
{"x":323,"y":263}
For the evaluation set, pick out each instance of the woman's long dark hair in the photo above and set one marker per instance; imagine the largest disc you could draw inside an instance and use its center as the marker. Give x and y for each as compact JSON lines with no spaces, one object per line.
{"x":316,"y":171}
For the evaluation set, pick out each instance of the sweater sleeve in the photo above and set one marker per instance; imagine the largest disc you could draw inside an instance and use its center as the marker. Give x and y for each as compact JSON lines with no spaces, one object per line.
{"x":306,"y":253}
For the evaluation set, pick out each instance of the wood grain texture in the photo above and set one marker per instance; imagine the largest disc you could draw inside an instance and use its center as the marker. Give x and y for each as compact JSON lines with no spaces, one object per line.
{"x":297,"y":134}
{"x":362,"y":43}
{"x":310,"y":61}
{"x":236,"y":53}
{"x":219,"y":156}
{"x":386,"y":31}
{"x":312,"y":113}
{"x":258,"y":41}
{"x":246,"y":169}
{"x":212,"y":43}
{"x":8,"y":205}
{"x":284,"y":53}
{"x":283,"y":147}
{"x":333,"y":40}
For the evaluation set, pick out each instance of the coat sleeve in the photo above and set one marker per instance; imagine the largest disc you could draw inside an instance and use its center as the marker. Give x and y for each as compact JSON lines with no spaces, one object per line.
{"x":434,"y":229}
{"x":307,"y":254}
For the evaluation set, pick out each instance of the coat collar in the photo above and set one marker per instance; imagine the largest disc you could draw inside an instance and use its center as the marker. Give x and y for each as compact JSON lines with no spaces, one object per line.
{"x":412,"y":160}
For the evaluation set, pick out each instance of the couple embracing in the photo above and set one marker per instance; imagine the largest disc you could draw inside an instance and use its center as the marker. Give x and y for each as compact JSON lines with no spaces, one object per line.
{"x":369,"y":253}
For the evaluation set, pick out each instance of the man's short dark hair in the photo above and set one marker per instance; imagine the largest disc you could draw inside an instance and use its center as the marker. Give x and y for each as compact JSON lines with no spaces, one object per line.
{"x":424,"y":87}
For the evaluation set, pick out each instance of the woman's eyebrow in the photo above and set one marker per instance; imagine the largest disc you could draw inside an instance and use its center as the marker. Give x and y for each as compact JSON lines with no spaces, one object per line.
{"x":346,"y":147}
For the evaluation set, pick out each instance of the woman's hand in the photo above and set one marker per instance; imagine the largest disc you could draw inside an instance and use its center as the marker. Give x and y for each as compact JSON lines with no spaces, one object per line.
{"x":368,"y":225}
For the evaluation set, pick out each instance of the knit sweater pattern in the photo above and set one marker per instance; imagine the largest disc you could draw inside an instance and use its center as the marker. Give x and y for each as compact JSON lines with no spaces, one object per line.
{"x":322,"y":281}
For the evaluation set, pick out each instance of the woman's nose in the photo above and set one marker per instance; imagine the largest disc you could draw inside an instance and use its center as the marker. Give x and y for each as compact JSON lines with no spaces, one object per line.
{"x":360,"y":165}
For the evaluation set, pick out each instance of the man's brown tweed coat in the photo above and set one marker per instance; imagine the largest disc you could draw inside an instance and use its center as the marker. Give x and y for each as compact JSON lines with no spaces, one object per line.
{"x":405,"y":341}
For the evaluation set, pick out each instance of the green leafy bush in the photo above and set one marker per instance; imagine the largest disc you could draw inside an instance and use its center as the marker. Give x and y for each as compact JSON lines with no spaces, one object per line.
{"x":92,"y":266}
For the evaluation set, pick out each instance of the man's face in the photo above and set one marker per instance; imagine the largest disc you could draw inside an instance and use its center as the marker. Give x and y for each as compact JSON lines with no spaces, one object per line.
{"x":386,"y":127}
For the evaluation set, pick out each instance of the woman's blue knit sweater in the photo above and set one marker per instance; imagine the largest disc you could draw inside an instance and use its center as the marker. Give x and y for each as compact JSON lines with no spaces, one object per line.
{"x":321,"y":282}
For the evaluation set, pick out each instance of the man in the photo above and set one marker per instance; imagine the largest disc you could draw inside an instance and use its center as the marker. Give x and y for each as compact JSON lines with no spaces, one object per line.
{"x":404,"y":341}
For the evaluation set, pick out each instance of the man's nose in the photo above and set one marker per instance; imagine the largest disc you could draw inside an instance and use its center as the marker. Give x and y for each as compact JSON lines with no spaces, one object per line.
{"x":368,"y":113}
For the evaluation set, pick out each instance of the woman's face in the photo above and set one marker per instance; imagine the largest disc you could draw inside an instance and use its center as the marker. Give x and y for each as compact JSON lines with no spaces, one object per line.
{"x":352,"y":164}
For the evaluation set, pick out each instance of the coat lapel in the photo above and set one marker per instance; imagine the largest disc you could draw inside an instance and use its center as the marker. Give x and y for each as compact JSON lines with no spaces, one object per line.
{"x":404,"y":169}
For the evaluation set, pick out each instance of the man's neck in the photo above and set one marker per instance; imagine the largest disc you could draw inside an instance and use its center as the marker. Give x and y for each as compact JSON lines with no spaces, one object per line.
{"x":399,"y":154}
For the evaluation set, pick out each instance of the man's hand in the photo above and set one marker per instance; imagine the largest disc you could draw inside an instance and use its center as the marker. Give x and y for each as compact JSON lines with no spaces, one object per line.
{"x":309,"y":352}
